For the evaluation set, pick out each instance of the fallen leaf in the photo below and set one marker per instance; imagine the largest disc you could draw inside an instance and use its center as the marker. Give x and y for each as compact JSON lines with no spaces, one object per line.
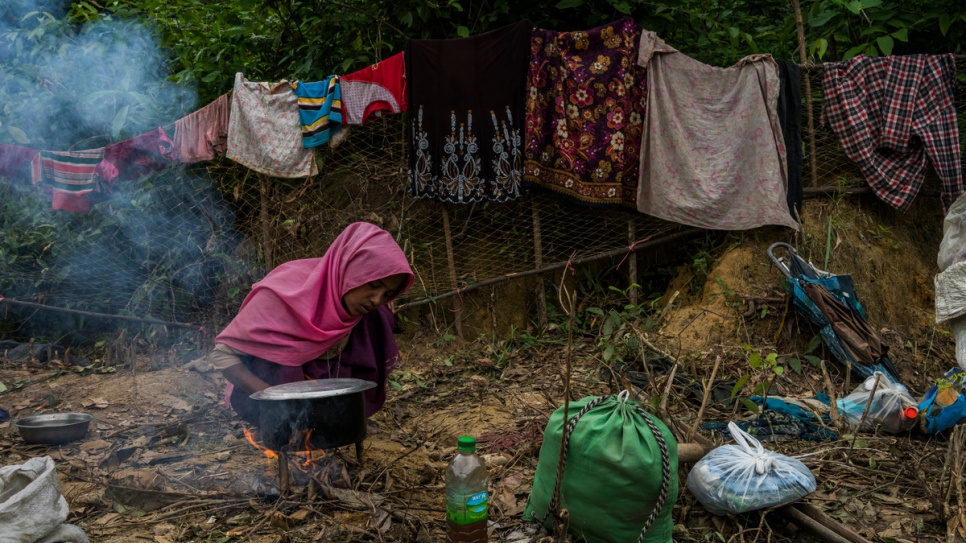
{"x":107,"y":519}
{"x":381,"y":520}
{"x":494,"y":460}
{"x":508,"y":503}
{"x":175,"y":403}
{"x":96,"y":445}
{"x":513,"y":481}
{"x":99,"y":403}
{"x":300,"y":515}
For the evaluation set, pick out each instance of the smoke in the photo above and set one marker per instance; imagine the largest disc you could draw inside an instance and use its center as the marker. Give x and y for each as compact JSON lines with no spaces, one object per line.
{"x":74,"y":86}
{"x":158,"y":246}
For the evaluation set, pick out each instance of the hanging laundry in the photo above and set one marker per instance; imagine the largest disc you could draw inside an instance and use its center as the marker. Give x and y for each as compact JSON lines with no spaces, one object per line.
{"x":203,"y":134}
{"x":263,"y":130}
{"x":467,"y":103}
{"x":891,"y":114}
{"x":320,"y":109}
{"x":586,"y":97}
{"x":374,"y":90}
{"x":135,"y":157}
{"x":18,"y":163}
{"x":713,"y":153}
{"x":68,"y":177}
{"x":790,"y":119}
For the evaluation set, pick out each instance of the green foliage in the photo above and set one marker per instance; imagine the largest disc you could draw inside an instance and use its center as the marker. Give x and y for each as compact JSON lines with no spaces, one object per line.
{"x":841,"y":29}
{"x":82,"y":80}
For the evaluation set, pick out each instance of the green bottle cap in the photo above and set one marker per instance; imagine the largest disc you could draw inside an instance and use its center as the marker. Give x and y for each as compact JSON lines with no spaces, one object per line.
{"x":466,"y":444}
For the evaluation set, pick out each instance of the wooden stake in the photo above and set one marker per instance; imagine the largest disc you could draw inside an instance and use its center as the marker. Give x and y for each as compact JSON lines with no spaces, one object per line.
{"x":834,"y":413}
{"x":800,"y":27}
{"x":540,"y":290}
{"x":632,"y":260}
{"x":451,"y":261}
{"x":704,"y":400}
{"x":266,"y":225}
{"x":283,"y":482}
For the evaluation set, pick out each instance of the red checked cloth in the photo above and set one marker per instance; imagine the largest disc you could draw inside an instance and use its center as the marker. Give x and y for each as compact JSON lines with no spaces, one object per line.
{"x":891,"y":114}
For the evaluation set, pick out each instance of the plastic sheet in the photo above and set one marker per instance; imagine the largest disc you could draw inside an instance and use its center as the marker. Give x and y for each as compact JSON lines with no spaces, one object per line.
{"x":746,"y":476}
{"x":953,"y":246}
{"x":891,"y":406}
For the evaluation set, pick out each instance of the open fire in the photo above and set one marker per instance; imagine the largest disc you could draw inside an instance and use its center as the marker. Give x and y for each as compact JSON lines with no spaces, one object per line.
{"x":300,"y":447}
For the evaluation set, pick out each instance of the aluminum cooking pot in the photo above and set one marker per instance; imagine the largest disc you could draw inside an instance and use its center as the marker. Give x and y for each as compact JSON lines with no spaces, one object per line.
{"x":54,"y":429}
{"x":333,"y":409}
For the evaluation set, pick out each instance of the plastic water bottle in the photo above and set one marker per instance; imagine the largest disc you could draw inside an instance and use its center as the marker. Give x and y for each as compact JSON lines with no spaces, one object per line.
{"x":467,"y":496}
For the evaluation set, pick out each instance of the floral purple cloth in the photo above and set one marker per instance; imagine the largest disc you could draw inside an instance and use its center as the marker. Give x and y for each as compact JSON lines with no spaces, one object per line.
{"x":586,"y":97}
{"x":713,"y":154}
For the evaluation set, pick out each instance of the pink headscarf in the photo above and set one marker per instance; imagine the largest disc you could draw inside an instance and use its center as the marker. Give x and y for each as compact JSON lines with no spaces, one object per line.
{"x":295,"y":313}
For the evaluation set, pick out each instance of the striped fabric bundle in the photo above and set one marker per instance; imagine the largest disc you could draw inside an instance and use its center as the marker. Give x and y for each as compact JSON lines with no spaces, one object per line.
{"x":320,"y":110}
{"x":69,"y":176}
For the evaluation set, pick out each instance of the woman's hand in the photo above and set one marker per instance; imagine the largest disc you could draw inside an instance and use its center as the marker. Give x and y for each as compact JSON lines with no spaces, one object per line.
{"x":243,"y":378}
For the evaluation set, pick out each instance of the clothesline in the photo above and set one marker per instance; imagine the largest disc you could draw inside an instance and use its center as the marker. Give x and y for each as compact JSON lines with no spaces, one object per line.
{"x":262,"y":117}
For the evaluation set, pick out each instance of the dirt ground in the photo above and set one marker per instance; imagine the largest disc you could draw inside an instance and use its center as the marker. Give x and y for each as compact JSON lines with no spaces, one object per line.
{"x":166,"y":462}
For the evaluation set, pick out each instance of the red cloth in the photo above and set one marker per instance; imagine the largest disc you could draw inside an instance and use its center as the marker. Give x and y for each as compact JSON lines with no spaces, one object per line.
{"x":374,"y":90}
{"x":204,"y":133}
{"x":894,"y":114}
{"x":295,"y":313}
{"x":14,"y":162}
{"x":134,"y":157}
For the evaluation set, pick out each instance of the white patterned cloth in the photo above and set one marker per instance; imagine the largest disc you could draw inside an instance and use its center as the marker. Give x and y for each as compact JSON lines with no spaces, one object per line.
{"x":264,"y":132}
{"x":713,"y":155}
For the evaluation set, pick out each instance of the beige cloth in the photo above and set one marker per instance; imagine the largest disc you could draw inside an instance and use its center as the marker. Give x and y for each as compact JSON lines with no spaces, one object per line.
{"x":264,"y":132}
{"x":713,"y":154}
{"x":223,"y":357}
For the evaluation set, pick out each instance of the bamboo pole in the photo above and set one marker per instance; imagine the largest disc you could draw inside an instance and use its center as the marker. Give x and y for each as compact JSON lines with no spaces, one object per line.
{"x":266,"y":225}
{"x":800,"y":27}
{"x":632,"y":260}
{"x":98,"y":315}
{"x":451,"y":262}
{"x":540,"y":289}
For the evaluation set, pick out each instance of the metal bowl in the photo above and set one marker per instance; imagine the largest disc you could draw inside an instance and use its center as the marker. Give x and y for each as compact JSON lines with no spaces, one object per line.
{"x":54,"y":429}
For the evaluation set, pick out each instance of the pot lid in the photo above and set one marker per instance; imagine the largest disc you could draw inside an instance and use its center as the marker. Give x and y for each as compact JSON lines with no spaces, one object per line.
{"x":317,"y":388}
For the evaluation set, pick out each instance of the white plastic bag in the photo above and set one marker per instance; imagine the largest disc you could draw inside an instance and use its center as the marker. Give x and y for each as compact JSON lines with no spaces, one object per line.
{"x":746,"y":476}
{"x":958,"y":327}
{"x":32,"y":509}
{"x":952,"y":249}
{"x":892,"y":406}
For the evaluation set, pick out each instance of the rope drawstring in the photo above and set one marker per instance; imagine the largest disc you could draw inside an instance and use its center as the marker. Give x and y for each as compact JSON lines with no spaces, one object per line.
{"x":665,"y":461}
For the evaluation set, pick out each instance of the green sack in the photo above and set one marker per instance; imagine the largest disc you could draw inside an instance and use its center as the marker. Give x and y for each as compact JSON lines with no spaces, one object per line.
{"x":613,"y":473}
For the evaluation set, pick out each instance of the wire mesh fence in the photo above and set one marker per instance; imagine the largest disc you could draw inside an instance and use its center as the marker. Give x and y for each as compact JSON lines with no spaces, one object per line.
{"x":185,"y":244}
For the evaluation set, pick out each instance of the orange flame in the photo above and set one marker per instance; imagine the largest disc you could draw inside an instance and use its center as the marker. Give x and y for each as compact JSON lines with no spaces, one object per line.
{"x":268,"y":452}
{"x":307,"y":454}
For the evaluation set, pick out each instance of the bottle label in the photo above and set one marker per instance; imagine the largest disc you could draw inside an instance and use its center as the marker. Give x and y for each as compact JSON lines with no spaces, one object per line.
{"x":467,"y":508}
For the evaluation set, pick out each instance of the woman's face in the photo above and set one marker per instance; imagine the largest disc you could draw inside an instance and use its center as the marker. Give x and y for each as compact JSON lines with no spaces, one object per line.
{"x":368,"y":296}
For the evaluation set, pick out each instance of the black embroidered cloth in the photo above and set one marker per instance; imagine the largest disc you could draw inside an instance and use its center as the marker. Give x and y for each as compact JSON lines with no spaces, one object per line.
{"x":466,"y":107}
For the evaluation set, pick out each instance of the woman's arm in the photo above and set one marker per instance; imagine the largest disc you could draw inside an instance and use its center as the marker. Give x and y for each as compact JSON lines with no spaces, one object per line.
{"x":243,"y":378}
{"x":228,"y":360}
